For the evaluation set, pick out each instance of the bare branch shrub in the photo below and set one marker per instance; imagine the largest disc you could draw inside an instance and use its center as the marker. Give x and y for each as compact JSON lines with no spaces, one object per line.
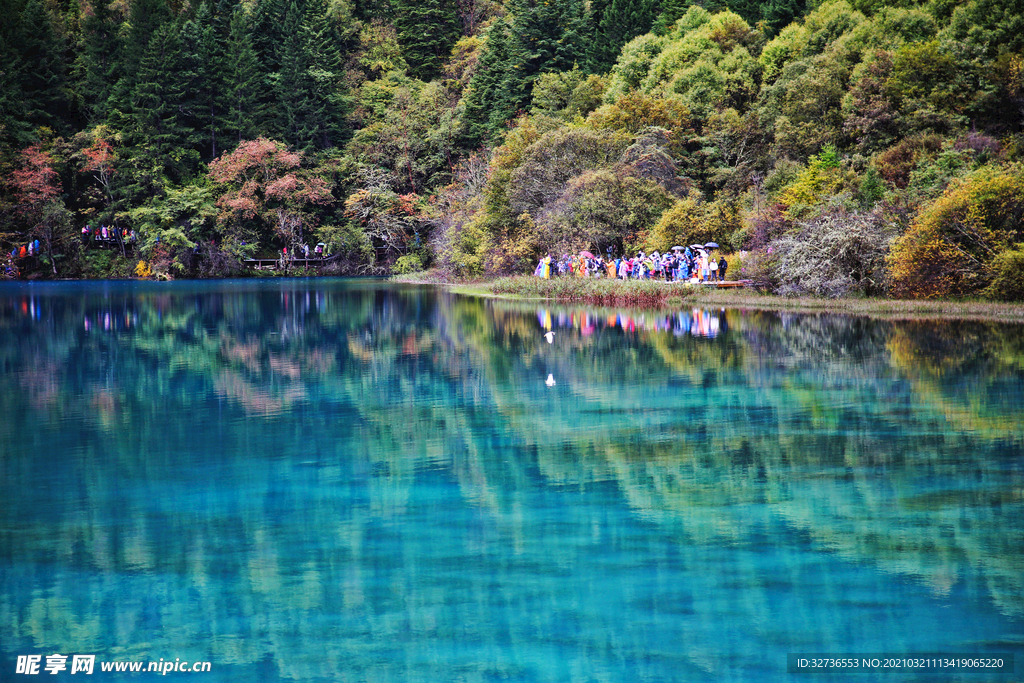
{"x":834,"y":255}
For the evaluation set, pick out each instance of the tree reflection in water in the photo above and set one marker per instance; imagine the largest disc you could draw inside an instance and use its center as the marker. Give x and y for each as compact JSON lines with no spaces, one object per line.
{"x":329,"y":479}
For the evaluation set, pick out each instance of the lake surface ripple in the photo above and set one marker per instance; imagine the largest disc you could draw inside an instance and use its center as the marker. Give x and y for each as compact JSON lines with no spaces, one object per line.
{"x":331,"y":480}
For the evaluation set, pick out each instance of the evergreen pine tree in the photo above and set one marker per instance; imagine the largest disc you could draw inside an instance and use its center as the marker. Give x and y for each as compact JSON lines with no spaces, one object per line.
{"x":544,"y":37}
{"x":244,"y":116}
{"x":160,"y":121}
{"x":203,"y":57}
{"x":266,"y":32}
{"x":42,"y":76}
{"x":15,"y":133}
{"x":621,"y":21}
{"x":570,"y":51}
{"x":670,"y":12}
{"x":292,"y":78}
{"x":97,"y":67}
{"x":330,"y":94}
{"x":594,"y":17}
{"x":311,"y":97}
{"x":777,"y":14}
{"x":368,"y":10}
{"x":534,"y":38}
{"x":596,"y":13}
{"x":527,"y":47}
{"x":483,"y":87}
{"x":427,"y":30}
{"x":144,"y":19}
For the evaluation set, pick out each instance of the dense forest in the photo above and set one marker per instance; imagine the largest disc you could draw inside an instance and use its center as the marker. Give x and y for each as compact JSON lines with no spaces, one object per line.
{"x":842,"y":147}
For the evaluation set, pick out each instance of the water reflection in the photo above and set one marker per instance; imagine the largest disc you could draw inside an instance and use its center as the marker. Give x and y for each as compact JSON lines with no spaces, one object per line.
{"x":699,"y":322}
{"x":320,"y":480}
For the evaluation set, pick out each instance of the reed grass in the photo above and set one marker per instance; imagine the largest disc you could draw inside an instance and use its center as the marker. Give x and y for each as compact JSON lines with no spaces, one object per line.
{"x":659,"y":294}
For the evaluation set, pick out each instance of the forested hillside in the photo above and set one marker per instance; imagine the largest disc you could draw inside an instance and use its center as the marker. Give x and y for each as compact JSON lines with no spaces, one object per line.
{"x":844,"y":147}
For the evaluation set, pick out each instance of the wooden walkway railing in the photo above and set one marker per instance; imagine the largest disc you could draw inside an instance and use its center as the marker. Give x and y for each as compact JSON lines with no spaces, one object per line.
{"x":275,"y":264}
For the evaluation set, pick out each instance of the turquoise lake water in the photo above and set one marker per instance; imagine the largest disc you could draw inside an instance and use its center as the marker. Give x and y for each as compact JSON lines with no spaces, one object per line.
{"x":331,"y":480}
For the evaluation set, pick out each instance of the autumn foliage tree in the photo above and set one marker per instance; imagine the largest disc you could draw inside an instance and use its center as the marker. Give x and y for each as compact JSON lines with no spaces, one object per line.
{"x":394,"y":223}
{"x":39,"y":205}
{"x":602,"y":209}
{"x":100,"y":161}
{"x":266,"y":195}
{"x":951,"y":246}
{"x":692,"y":220}
{"x":35,"y":181}
{"x":498,"y":130}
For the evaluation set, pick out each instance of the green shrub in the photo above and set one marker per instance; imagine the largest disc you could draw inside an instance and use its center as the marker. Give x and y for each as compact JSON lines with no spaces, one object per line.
{"x":822,"y":178}
{"x":872,"y":189}
{"x":759,"y":268}
{"x":410,"y":263}
{"x":635,"y":111}
{"x":567,"y":94}
{"x":633,"y":65}
{"x":106,"y":263}
{"x":602,"y":208}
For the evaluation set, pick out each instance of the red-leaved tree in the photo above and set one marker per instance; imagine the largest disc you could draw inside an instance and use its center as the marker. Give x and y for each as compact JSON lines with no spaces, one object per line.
{"x":264,"y":186}
{"x":100,"y":162}
{"x":39,"y":205}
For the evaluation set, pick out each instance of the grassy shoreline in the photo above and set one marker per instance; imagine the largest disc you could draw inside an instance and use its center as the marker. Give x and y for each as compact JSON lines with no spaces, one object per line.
{"x":652,"y":294}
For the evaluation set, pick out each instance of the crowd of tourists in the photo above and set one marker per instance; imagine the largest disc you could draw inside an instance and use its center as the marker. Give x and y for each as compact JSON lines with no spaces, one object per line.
{"x":303,"y":252}
{"x":693,"y":264}
{"x":101,"y":236}
{"x":25,"y":250}
{"x":17,"y":254}
{"x":106,"y":235}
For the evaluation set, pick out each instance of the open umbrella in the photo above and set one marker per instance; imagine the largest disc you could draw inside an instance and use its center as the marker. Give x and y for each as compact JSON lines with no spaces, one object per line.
{"x":711,"y":245}
{"x":696,"y":246}
{"x":586,"y":254}
{"x":678,"y":248}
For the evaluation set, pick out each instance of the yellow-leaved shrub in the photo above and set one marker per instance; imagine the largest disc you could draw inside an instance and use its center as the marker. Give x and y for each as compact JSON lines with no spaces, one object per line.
{"x":954,"y":241}
{"x":693,"y":221}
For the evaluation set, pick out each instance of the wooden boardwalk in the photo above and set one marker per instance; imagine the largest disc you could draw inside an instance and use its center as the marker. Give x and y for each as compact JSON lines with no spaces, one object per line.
{"x":275,"y":263}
